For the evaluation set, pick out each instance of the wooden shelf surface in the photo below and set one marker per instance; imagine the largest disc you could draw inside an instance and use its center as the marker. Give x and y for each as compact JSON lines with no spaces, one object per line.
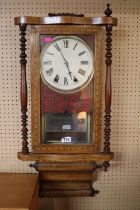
{"x":66,"y":157}
{"x":30,"y":20}
{"x":19,"y":191}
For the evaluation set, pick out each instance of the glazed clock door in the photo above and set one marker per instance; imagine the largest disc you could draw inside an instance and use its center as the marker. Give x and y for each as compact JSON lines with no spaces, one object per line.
{"x":66,"y":70}
{"x":67,"y":76}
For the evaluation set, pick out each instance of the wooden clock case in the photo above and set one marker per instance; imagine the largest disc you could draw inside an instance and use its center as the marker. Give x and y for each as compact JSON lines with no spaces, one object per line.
{"x":66,"y":170}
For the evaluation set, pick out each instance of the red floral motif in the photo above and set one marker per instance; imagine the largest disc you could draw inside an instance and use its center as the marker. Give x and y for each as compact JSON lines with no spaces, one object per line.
{"x":58,"y":103}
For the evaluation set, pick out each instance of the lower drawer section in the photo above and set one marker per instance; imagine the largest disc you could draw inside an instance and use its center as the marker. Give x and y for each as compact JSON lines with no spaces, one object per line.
{"x":66,"y":180}
{"x":66,"y":193}
{"x":64,"y":185}
{"x":65,"y":176}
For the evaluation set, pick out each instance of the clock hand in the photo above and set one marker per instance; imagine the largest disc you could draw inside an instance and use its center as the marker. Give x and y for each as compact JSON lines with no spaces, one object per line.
{"x":59,"y":50}
{"x":69,"y":72}
{"x":67,"y":64}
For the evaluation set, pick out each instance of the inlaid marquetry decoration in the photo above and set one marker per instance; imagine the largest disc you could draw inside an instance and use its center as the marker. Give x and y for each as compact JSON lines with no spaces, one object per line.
{"x":66,"y":53}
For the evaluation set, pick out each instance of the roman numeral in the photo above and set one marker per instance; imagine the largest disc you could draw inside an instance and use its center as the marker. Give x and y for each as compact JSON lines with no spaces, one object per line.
{"x":56,"y":79}
{"x":57,"y":47}
{"x":49,"y":53}
{"x":47,"y":62}
{"x":49,"y":71}
{"x":66,"y":43}
{"x":84,"y":62}
{"x":82,"y":72}
{"x":75,"y":79}
{"x":81,"y":53}
{"x":65,"y":81}
{"x":75,"y":46}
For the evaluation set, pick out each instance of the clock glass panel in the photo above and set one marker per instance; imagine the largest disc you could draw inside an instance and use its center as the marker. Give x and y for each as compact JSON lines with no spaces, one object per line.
{"x":66,"y":88}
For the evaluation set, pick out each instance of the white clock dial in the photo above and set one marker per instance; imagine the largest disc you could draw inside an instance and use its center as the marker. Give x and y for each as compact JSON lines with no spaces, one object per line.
{"x":67,"y":64}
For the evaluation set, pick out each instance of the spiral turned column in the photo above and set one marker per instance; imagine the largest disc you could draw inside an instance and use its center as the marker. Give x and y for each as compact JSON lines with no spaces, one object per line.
{"x":23,"y":89}
{"x":108,"y":87}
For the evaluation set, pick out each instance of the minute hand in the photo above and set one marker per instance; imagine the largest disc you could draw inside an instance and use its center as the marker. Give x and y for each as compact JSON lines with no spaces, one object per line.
{"x":69,"y":72}
{"x":67,"y":64}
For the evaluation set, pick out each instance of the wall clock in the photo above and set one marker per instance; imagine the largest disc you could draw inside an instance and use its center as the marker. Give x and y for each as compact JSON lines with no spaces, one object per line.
{"x":66,"y":88}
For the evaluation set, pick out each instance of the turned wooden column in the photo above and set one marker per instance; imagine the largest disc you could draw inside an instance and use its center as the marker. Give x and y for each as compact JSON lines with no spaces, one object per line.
{"x":108,"y":87}
{"x":23,"y":89}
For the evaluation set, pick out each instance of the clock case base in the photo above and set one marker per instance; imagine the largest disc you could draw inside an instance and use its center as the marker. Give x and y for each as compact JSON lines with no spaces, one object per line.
{"x":67,"y":175}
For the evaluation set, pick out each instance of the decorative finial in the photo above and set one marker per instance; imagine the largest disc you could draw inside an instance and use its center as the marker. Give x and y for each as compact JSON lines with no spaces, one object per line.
{"x":108,"y":11}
